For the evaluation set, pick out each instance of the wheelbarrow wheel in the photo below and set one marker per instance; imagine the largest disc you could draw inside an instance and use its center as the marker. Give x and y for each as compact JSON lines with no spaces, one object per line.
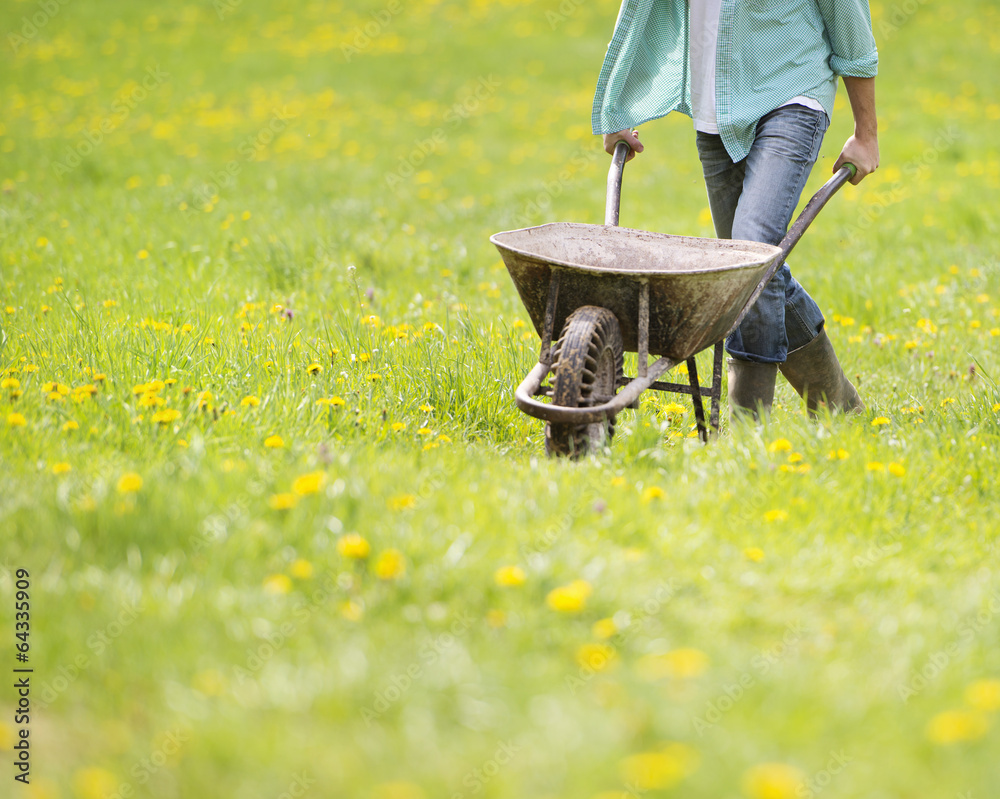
{"x":588,"y":370}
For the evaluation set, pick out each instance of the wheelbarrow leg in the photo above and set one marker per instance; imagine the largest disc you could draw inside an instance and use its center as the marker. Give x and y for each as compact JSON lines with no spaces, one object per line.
{"x":699,"y":406}
{"x":716,"y":385}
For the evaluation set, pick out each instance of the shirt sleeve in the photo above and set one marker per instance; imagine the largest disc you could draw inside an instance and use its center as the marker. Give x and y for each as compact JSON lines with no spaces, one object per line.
{"x":849,"y":26}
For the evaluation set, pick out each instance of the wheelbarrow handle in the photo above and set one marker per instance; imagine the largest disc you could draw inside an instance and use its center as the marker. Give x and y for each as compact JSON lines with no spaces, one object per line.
{"x":614,"y":200}
{"x":809,"y":213}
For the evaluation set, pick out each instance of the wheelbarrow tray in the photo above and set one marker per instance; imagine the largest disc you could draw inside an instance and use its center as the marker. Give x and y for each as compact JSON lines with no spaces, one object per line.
{"x":697,"y":287}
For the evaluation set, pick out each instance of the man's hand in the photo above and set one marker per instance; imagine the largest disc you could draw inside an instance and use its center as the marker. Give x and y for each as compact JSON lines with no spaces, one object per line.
{"x":862,"y":153}
{"x":630,"y":137}
{"x":862,"y":148}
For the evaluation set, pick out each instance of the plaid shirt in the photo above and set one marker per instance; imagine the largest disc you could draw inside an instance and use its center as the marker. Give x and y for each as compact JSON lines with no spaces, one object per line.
{"x":769,"y":51}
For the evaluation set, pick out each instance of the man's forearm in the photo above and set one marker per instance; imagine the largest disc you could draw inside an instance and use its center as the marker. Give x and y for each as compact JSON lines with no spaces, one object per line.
{"x":861,"y":93}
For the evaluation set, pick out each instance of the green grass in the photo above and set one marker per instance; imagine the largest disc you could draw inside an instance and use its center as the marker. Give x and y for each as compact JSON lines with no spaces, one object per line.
{"x":804,"y":608}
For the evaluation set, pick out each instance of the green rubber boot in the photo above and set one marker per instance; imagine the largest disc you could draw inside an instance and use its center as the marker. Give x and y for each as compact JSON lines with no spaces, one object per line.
{"x":815,"y":372}
{"x":751,"y":388}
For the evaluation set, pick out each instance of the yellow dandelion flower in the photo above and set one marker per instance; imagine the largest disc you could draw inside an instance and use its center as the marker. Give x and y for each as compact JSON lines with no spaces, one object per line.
{"x":879,"y":420}
{"x":283,"y":501}
{"x":277,"y":584}
{"x":603,"y":629}
{"x":41,"y":241}
{"x":398,"y":426}
{"x":496,"y":618}
{"x":874,"y":466}
{"x":618,"y":482}
{"x":651,"y":492}
{"x":274,"y":442}
{"x":661,"y":768}
{"x":443,"y":439}
{"x":897,"y":469}
{"x":956,"y":726}
{"x":374,"y":378}
{"x":402,"y":502}
{"x":301,"y":569}
{"x":776,"y":515}
{"x":983,"y":695}
{"x":425,"y":431}
{"x":684,"y":663}
{"x":756,"y":554}
{"x":780,"y":445}
{"x":16,"y":420}
{"x":250,"y":401}
{"x":150,"y":400}
{"x":595,"y":657}
{"x":351,"y":610}
{"x":569,"y":598}
{"x":166,"y":416}
{"x":129,"y":483}
{"x":427,"y":408}
{"x":205,"y":399}
{"x":309,"y":483}
{"x":314,"y":368}
{"x":69,"y":426}
{"x":353,"y":546}
{"x":94,"y":783}
{"x":509,"y":576}
{"x":390,"y":565}
{"x":773,"y":781}
{"x":142,"y":255}
{"x":674,"y":408}
{"x":210,"y":682}
{"x":10,"y":382}
{"x":838,"y":455}
{"x":61,"y":468}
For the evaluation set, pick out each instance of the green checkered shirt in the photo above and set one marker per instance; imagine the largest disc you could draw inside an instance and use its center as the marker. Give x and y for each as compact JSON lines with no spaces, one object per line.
{"x":769,"y":51}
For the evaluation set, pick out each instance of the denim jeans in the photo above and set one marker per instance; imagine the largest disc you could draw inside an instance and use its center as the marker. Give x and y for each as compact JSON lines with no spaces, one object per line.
{"x":754,"y":200}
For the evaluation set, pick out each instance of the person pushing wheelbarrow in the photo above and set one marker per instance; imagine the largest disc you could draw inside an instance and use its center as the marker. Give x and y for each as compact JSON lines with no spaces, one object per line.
{"x":758,"y":77}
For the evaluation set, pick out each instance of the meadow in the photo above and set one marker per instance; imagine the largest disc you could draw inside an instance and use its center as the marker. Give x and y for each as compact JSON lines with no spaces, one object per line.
{"x":286,"y":532}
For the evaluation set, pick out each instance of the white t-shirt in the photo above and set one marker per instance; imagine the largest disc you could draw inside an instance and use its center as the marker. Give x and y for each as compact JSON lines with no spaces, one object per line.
{"x":704,"y":43}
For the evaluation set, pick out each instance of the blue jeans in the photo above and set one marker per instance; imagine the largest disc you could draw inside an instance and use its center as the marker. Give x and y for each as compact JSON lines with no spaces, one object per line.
{"x":754,"y":200}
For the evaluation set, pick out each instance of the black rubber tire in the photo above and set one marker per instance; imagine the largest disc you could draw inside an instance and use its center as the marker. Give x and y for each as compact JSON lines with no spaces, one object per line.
{"x":587,"y":360}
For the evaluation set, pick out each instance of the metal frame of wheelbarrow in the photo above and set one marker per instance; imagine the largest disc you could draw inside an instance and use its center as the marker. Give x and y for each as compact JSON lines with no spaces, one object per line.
{"x":649,"y":373}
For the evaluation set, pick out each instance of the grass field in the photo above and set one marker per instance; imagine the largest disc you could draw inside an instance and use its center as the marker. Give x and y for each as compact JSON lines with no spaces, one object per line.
{"x":285,"y":531}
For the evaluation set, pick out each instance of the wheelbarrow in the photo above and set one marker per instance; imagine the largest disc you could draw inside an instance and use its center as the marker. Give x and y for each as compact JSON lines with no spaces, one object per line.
{"x":610,"y":290}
